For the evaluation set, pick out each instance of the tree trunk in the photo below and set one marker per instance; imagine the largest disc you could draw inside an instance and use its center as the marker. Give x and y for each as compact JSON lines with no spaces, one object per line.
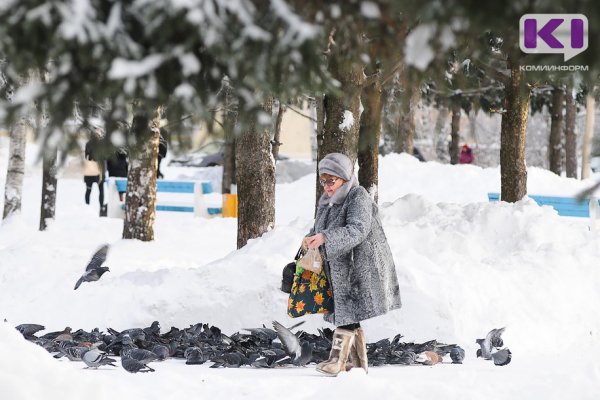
{"x":320,"y":123}
{"x":513,"y":171}
{"x":590,"y":109}
{"x":407,"y":118}
{"x":455,"y":129}
{"x":140,"y":200}
{"x":277,"y":133}
{"x":256,"y":181}
{"x":342,"y":113}
{"x":368,"y":140}
{"x":556,"y":128}
{"x":229,"y":121}
{"x":13,"y":187}
{"x":48,"y":207}
{"x":570,"y":135}
{"x":440,"y":141}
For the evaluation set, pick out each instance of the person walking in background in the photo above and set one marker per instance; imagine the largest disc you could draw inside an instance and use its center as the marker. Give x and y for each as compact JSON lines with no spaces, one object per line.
{"x":359,"y":263}
{"x":162,"y":151}
{"x":93,"y":170}
{"x":117,"y":166}
{"x":466,"y":155}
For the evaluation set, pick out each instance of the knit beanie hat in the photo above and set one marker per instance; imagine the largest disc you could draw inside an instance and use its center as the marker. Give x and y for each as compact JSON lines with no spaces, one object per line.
{"x":336,"y":164}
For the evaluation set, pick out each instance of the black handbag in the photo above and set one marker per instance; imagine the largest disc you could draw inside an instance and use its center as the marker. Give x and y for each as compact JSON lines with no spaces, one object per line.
{"x":289,"y":270}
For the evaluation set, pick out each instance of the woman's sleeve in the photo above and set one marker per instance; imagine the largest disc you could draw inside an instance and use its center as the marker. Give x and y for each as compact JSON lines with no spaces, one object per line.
{"x":341,"y":240}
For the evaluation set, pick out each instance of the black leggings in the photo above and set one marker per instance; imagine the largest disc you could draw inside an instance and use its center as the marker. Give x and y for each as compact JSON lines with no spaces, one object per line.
{"x":89,"y":181}
{"x":350,"y":327}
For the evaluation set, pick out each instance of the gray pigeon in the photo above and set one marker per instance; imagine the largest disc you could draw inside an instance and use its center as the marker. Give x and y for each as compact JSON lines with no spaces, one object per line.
{"x":28,"y":330}
{"x":133,"y":366}
{"x":491,"y":339}
{"x":300,"y":354}
{"x":93,"y":358}
{"x":502,"y":357}
{"x":94,"y":269}
{"x":457,"y":354}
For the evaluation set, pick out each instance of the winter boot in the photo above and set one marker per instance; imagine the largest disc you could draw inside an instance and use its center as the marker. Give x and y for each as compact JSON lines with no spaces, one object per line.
{"x":358,"y":352}
{"x":103,"y":210}
{"x":341,"y":344}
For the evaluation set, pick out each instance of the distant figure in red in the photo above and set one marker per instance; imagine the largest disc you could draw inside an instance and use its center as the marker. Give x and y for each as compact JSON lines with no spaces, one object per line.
{"x":466,"y":155}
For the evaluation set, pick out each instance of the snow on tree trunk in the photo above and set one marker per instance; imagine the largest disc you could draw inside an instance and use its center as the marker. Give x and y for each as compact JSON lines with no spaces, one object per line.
{"x":570,"y":135}
{"x":48,"y":205}
{"x":556,"y":129}
{"x":229,"y":121}
{"x":13,"y":187}
{"x":513,"y":171}
{"x":255,"y":175}
{"x":455,"y":130}
{"x":342,"y":113}
{"x":368,"y":139}
{"x":140,"y":199}
{"x":586,"y":147}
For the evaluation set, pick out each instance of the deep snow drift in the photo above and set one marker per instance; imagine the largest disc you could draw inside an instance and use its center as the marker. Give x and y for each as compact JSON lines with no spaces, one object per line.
{"x":465,"y":266}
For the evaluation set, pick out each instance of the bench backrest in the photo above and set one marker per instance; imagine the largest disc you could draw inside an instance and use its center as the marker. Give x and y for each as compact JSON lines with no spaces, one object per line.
{"x":170,"y":186}
{"x":565,"y":206}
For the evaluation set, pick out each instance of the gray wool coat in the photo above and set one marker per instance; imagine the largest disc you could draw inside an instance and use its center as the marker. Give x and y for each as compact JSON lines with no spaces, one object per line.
{"x":359,"y":263}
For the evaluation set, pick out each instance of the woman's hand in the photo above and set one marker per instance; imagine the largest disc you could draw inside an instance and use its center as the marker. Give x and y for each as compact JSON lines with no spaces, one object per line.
{"x":315,"y":241}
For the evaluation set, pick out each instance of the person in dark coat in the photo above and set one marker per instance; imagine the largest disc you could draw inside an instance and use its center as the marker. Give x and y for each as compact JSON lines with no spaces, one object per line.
{"x":162,"y":151}
{"x":359,"y":263}
{"x":93,"y":170}
{"x":117,"y":166}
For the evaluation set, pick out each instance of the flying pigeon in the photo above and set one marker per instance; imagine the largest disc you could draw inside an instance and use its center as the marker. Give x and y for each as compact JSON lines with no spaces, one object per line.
{"x":93,"y":358}
{"x":300,"y":354}
{"x":491,"y":340}
{"x":502,"y":357}
{"x":94,"y":269}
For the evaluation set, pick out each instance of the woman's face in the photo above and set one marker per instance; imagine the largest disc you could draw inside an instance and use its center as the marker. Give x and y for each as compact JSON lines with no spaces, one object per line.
{"x":331,"y":183}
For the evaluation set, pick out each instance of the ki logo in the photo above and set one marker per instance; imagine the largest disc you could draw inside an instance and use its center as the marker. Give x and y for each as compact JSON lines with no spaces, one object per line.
{"x":553,"y":34}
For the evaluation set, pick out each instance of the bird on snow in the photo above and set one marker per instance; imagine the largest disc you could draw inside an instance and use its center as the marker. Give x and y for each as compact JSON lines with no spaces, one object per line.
{"x":133,"y":366}
{"x":29,"y":330}
{"x":457,"y":354}
{"x":93,"y":358}
{"x":94,"y":269}
{"x":300,"y":354}
{"x":491,"y":340}
{"x":502,"y":357}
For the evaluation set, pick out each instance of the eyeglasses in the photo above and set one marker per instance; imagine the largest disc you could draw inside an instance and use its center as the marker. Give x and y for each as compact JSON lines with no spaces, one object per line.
{"x":328,"y":182}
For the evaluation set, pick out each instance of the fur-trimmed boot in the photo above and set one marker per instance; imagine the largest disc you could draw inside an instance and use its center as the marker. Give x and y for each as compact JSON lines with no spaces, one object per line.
{"x":342,"y":342}
{"x":358,"y":352}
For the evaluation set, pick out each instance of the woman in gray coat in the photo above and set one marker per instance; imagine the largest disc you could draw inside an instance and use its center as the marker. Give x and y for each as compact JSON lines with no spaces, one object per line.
{"x":359,"y":266}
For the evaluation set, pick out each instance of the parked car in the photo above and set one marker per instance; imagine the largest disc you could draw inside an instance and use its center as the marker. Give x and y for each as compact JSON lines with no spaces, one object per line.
{"x":209,"y":155}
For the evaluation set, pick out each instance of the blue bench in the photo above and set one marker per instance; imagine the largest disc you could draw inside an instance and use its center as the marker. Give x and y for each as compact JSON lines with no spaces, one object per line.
{"x":198,"y":189}
{"x":565,"y":206}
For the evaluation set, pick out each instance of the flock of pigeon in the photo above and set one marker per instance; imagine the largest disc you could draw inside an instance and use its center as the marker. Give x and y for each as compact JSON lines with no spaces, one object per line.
{"x":256,"y":347}
{"x":259,"y":347}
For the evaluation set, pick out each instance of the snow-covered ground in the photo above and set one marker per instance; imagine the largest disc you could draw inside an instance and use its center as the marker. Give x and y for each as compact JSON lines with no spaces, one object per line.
{"x":465,"y":266}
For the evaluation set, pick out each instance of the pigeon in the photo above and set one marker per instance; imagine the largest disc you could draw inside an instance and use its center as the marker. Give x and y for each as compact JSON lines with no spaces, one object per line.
{"x":161,"y":351}
{"x":94,"y":269}
{"x":457,"y":354}
{"x":93,"y":358}
{"x":133,"y":366}
{"x":194,"y":356}
{"x":502,"y":357}
{"x":300,"y":353}
{"x":492,"y":338}
{"x":28,"y":330}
